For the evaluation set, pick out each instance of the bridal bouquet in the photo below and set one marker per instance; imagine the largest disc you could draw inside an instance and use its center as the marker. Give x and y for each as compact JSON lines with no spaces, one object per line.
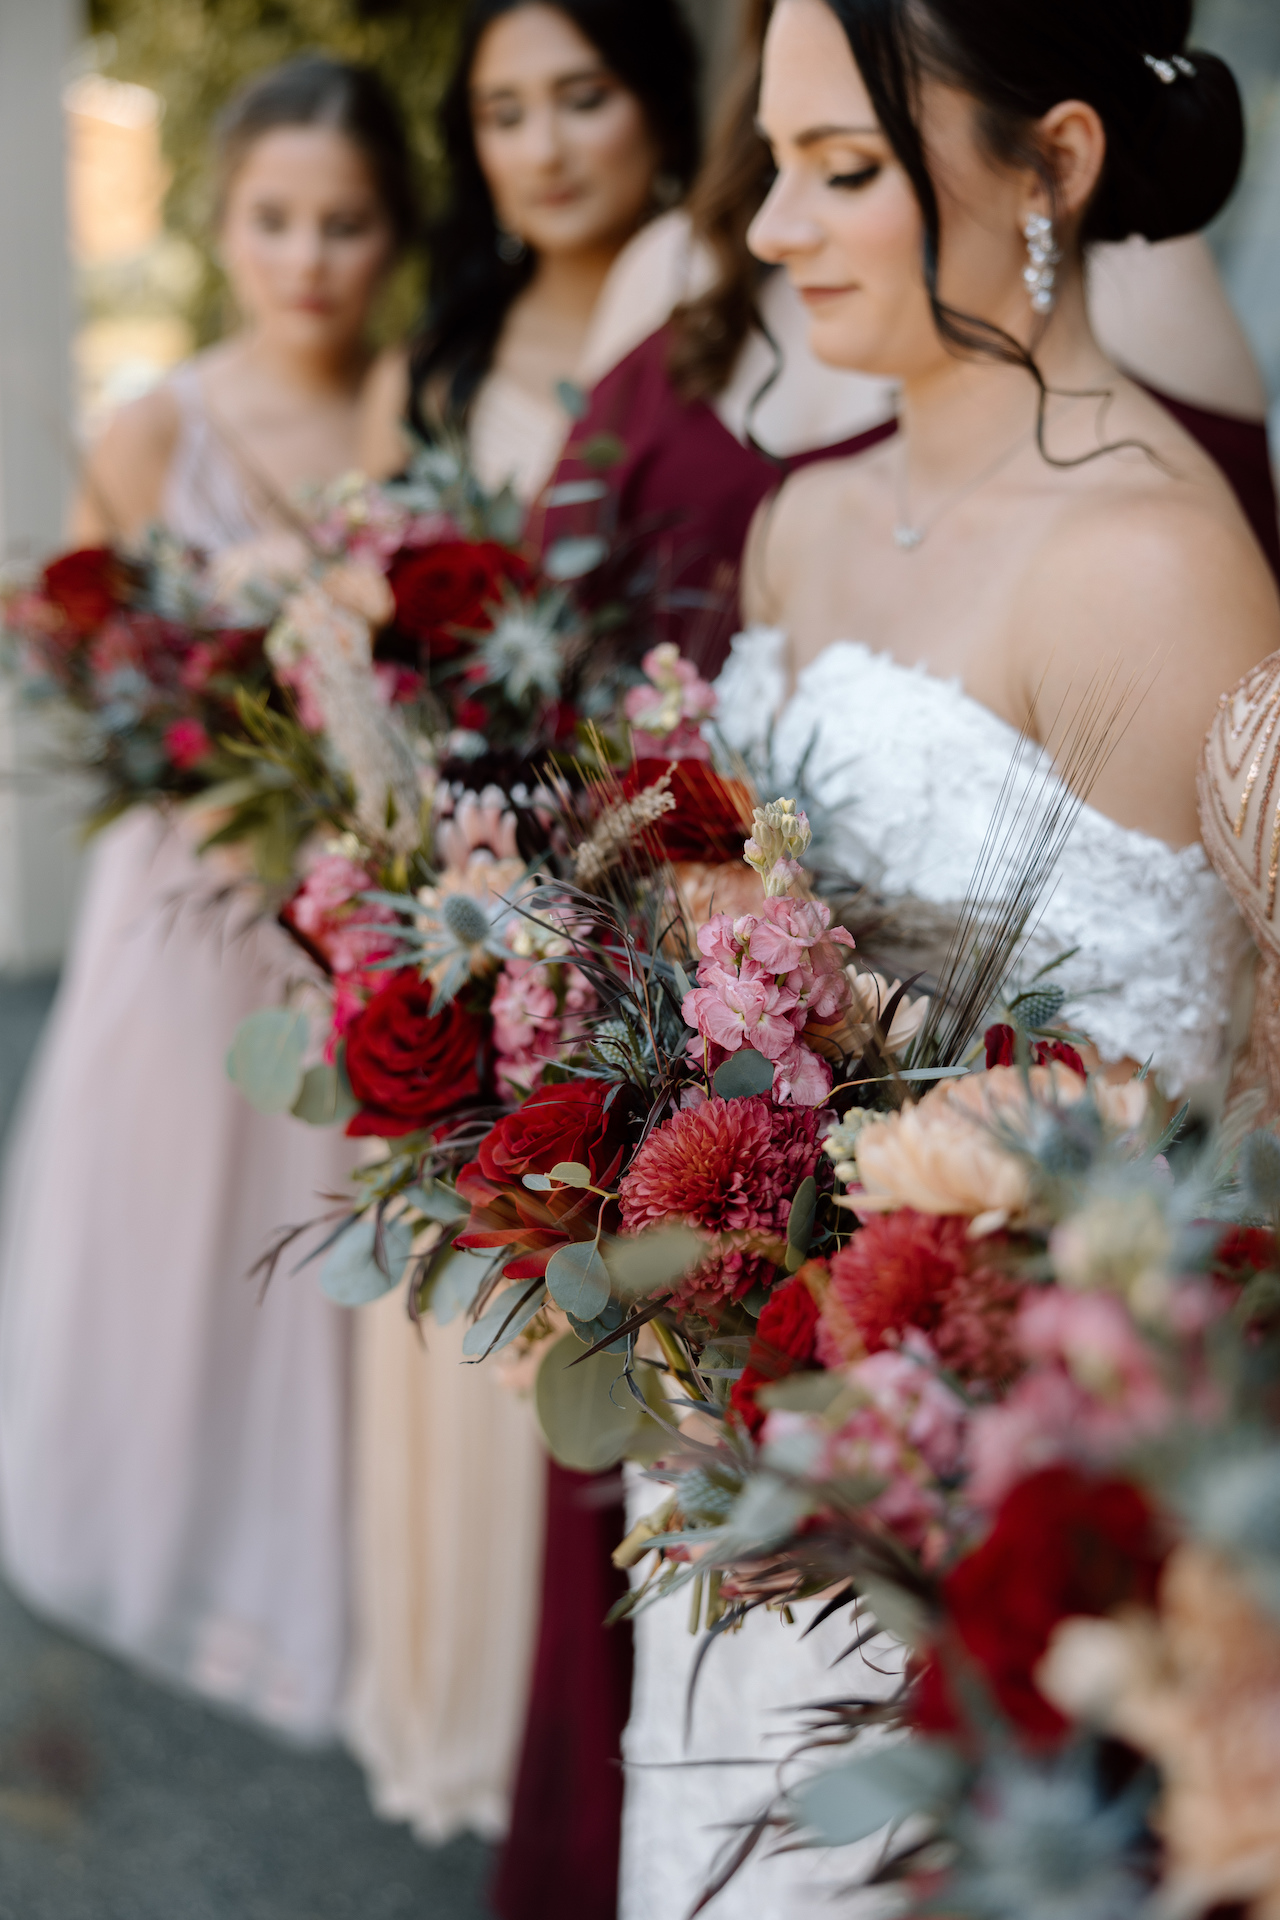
{"x":1025,"y":1420}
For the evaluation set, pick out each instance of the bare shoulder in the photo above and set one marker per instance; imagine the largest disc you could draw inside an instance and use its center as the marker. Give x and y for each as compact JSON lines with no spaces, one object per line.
{"x":811,"y":509}
{"x":122,"y":481}
{"x":1155,"y":598}
{"x":1172,"y":567}
{"x":382,"y":444}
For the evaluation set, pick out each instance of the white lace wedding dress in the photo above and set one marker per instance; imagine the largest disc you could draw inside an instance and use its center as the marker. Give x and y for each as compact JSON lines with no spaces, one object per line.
{"x":912,"y":771}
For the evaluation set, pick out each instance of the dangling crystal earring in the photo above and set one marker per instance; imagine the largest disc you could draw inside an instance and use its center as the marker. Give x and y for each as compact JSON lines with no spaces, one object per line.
{"x":510,"y":247}
{"x":1043,"y":256}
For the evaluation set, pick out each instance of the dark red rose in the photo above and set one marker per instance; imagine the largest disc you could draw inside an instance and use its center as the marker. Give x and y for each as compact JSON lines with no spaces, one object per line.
{"x":445,"y":591}
{"x":1244,"y":1251}
{"x":784,"y":1342}
{"x":409,"y":1065}
{"x":575,"y":1120}
{"x":1062,"y":1544}
{"x":1001,"y":1042}
{"x":86,"y":586}
{"x":711,"y":818}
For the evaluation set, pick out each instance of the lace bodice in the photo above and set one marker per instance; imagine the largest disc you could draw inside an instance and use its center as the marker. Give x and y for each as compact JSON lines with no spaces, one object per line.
{"x":910,"y":770}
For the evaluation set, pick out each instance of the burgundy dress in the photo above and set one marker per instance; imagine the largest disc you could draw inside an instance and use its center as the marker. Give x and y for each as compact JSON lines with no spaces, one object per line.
{"x":685,"y":490}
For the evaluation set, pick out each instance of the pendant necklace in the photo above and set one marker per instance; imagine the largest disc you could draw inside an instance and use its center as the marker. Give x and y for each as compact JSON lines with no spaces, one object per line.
{"x":908,"y":534}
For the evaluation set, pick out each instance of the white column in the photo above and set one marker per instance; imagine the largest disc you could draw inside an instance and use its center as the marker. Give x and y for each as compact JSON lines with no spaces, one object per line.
{"x":38,"y":812}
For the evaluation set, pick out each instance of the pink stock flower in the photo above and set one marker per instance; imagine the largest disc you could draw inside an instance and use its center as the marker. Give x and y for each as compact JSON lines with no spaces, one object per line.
{"x":730,"y":1167}
{"x":801,"y":1078}
{"x":329,"y":913}
{"x":1094,"y":1390}
{"x":908,"y":1433}
{"x":538,"y":1010}
{"x":186,"y":744}
{"x":763,"y":977}
{"x":671,"y":705}
{"x":735,"y":1010}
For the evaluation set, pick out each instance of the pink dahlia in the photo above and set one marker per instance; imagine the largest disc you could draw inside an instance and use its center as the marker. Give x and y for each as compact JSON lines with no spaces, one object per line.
{"x":732,"y":1168}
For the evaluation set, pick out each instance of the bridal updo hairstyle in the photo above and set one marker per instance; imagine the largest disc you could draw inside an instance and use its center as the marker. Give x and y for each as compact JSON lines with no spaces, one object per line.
{"x":648,"y":47}
{"x":1175,"y":144}
{"x":316,"y":91}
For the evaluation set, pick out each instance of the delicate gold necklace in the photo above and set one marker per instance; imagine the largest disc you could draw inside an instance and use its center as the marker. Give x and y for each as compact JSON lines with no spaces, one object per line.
{"x":908,"y":534}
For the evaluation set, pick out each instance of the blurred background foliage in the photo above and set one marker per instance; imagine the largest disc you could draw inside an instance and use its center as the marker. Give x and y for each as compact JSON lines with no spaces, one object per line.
{"x":194,"y":53}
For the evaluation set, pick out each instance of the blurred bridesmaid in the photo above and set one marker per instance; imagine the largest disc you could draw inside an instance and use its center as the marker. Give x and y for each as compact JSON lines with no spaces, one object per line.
{"x":173,"y":1453}
{"x":566,"y":128}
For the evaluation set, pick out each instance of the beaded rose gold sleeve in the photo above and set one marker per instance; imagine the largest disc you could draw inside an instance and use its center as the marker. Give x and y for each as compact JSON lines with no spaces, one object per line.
{"x":1239,"y":790}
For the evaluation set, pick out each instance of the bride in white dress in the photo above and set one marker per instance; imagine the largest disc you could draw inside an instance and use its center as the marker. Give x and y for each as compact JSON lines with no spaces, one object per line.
{"x":172,"y":1453}
{"x":990,"y":577}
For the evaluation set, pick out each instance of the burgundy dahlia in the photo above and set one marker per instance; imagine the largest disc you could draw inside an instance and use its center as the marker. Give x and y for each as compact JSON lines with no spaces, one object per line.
{"x":732,"y":1168}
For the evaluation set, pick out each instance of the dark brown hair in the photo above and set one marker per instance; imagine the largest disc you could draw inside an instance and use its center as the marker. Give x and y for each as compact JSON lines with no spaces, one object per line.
{"x":1174,"y":122}
{"x":647,"y":45}
{"x":315,"y":91}
{"x":709,"y":333}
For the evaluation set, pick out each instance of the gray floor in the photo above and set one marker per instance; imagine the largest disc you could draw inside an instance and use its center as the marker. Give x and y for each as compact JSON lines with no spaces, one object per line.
{"x":119,"y":1801}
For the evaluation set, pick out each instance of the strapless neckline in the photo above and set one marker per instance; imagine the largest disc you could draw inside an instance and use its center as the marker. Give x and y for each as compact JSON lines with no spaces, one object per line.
{"x":1016,"y":744}
{"x":906,"y":772}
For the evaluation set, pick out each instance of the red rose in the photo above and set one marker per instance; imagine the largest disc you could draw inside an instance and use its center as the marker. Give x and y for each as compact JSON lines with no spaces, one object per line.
{"x":1001,"y":1043}
{"x":1062,"y":1544}
{"x":711,"y":818}
{"x":785,"y":1341}
{"x":408,"y":1065}
{"x":574,"y":1120}
{"x":86,"y":586}
{"x":445,"y":591}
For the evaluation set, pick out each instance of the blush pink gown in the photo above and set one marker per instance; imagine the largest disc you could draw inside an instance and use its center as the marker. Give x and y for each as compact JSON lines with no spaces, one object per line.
{"x":173,"y":1451}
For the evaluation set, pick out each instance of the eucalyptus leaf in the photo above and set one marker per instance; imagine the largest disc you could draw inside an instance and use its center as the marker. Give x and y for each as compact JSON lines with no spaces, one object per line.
{"x":571,"y":1173}
{"x":645,"y":1263}
{"x":574,"y":556}
{"x":744,"y":1073}
{"x":800,"y":1223}
{"x":572,"y":398}
{"x":351,"y":1276}
{"x":848,"y":1803}
{"x":602,"y":450}
{"x":591,"y":1332}
{"x":489,"y":1335}
{"x":266,"y":1058}
{"x":578,"y":1279}
{"x":802,"y":1393}
{"x":576,"y":493}
{"x":765,"y":1514}
{"x":326,"y":1099}
{"x":536,"y":1182}
{"x":898,"y":1612}
{"x":587,"y":1413}
{"x":456,"y":1278}
{"x":436,"y":1202}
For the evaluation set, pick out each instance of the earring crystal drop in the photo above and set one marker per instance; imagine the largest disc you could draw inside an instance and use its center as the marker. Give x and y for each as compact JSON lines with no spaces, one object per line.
{"x":1043,"y":256}
{"x":510,"y":247}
